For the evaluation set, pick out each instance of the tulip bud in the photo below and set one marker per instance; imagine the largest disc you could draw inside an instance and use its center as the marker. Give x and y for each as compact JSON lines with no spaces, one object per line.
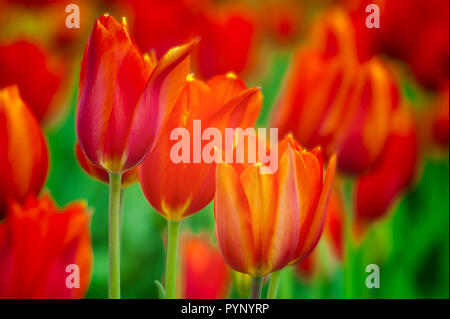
{"x":201,"y":260}
{"x":23,"y":151}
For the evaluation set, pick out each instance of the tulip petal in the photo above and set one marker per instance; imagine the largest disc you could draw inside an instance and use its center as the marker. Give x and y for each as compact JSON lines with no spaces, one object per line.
{"x":233,"y":220}
{"x":157,"y":100}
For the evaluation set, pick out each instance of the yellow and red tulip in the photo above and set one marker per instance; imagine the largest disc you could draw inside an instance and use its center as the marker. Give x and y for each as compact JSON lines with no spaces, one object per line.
{"x":37,"y":243}
{"x":124,"y":97}
{"x":266,"y":222}
{"x":222,"y":102}
{"x":200,"y":259}
{"x":23,"y":150}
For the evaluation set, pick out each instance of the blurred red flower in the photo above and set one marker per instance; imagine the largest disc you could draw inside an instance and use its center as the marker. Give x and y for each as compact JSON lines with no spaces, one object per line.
{"x":204,"y":272}
{"x":227,"y":32}
{"x":23,"y":150}
{"x":37,"y":76}
{"x":37,"y":243}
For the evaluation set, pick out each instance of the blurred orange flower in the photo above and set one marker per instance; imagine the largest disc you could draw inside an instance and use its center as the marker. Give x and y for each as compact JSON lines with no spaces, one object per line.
{"x":266,"y":221}
{"x":204,"y":272}
{"x":179,"y":190}
{"x":332,"y":100}
{"x":37,"y":243}
{"x":128,"y":178}
{"x":37,"y":76}
{"x":23,"y":150}
{"x":124,"y":97}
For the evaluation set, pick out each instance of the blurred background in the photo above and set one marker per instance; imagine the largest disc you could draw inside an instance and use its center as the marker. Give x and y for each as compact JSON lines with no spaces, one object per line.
{"x":392,"y":211}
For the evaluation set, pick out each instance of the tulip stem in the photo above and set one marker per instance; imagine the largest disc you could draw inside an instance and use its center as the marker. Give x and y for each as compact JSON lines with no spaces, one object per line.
{"x":273,"y":285}
{"x":114,"y":235}
{"x":256,"y":287}
{"x":171,"y":259}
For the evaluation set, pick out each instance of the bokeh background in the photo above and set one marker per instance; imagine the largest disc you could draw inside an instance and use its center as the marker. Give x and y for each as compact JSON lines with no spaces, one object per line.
{"x":257,"y":41}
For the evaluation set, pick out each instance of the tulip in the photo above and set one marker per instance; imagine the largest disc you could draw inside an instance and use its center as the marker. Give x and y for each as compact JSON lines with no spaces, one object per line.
{"x":222,"y":102}
{"x":266,"y":222}
{"x":200,"y":260}
{"x":332,"y":100}
{"x":124,"y":100}
{"x":23,"y":151}
{"x":398,"y":164}
{"x":45,"y":252}
{"x":36,"y":75}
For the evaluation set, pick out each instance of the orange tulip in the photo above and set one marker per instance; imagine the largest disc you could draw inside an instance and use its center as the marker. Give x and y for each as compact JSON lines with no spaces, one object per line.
{"x":38,"y":77}
{"x":332,"y":100}
{"x":265,"y":222}
{"x":23,"y":151}
{"x":179,"y":190}
{"x":37,"y":244}
{"x":205,"y":275}
{"x":128,"y":178}
{"x":124,"y":96}
{"x":398,"y":164}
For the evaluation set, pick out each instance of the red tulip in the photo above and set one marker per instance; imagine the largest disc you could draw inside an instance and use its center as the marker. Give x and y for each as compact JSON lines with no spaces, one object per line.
{"x":332,"y":100}
{"x":23,"y":151}
{"x":265,"y":222}
{"x":205,"y":275}
{"x":179,"y":190}
{"x":30,"y":68}
{"x":376,"y":190}
{"x":128,"y":178}
{"x":37,"y":243}
{"x":124,"y":97}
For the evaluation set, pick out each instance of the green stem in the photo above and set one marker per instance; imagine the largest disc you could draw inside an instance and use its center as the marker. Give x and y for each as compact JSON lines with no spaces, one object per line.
{"x":171,"y":259}
{"x":256,"y":287}
{"x":273,"y":285}
{"x":114,"y":235}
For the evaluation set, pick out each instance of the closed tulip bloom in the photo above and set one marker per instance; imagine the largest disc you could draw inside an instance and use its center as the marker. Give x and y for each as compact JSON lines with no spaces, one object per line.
{"x":378,"y":189}
{"x":205,"y":274}
{"x":128,"y":178}
{"x":177,"y":190}
{"x":331,"y":99}
{"x":124,"y":97}
{"x":23,"y":150}
{"x":41,"y":246}
{"x":265,"y":222}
